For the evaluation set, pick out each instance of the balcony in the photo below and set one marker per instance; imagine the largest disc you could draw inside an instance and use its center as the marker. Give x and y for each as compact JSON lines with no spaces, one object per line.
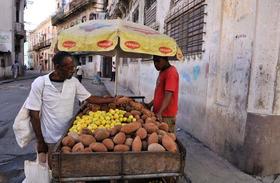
{"x":42,"y":44}
{"x":74,"y":7}
{"x":19,"y":30}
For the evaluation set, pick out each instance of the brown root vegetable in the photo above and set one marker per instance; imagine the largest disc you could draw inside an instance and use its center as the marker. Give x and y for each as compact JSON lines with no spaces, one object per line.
{"x":121,"y":148}
{"x":136,"y":144}
{"x":79,"y":147}
{"x":108,"y":143}
{"x":144,"y":117}
{"x":161,"y":132}
{"x":155,"y":147}
{"x":87,"y":149}
{"x":151,"y":127}
{"x":153,"y":138}
{"x":135,"y":113}
{"x":129,"y":141}
{"x":101,"y":134}
{"x":86,"y":140}
{"x":131,"y":127}
{"x":172,"y":135}
{"x":98,"y":147}
{"x":142,"y":133}
{"x":86,"y":131}
{"x":74,"y":135}
{"x":119,"y":138}
{"x":164,"y":127}
{"x":150,"y":120}
{"x":116,"y":129}
{"x":169,"y":144}
{"x":68,"y":141}
{"x":66,"y":149}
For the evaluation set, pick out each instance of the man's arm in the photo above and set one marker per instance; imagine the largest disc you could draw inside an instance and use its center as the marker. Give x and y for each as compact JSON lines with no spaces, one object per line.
{"x":36,"y":124}
{"x":165,"y":103}
{"x":100,"y":100}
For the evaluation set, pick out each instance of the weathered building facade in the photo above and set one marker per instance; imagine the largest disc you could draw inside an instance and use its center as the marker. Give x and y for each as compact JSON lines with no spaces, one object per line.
{"x":75,"y":12}
{"x":40,"y":40}
{"x":229,"y":81}
{"x":12,"y":35}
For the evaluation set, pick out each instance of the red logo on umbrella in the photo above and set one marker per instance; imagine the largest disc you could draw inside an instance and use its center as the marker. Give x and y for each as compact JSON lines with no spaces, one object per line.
{"x":105,"y":43}
{"x":69,"y":44}
{"x":132,"y":44}
{"x":165,"y":50}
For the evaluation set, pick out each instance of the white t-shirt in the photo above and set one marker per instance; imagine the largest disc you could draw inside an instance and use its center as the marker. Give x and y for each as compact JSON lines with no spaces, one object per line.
{"x":79,"y":70}
{"x":56,"y":107}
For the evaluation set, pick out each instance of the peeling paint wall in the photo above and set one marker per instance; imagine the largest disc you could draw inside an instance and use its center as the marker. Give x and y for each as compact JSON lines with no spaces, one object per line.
{"x":238,"y":73}
{"x":265,"y":59}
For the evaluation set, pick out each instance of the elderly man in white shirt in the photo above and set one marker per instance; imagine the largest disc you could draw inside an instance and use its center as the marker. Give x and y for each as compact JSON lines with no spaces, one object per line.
{"x":51,"y":102}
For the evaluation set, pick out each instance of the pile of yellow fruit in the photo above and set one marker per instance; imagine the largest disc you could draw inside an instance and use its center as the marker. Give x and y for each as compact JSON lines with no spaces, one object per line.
{"x":101,"y":119}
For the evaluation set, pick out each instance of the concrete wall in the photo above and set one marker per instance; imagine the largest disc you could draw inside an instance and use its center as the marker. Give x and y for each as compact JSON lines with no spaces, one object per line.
{"x":7,"y":24}
{"x":238,"y":73}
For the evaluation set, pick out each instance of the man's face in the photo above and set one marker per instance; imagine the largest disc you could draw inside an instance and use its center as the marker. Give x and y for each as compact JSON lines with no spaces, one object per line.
{"x":67,"y":69}
{"x":159,"y":63}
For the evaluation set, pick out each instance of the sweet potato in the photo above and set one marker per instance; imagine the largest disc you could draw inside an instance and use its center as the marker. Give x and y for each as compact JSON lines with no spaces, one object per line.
{"x":108,"y":143}
{"x":121,"y":148}
{"x":68,"y":141}
{"x":136,"y":144}
{"x":119,"y":138}
{"x":142,"y":133}
{"x":164,"y":127}
{"x":86,"y":140}
{"x":101,"y":134}
{"x":129,"y":141}
{"x":172,"y":135}
{"x":169,"y":144}
{"x":155,"y":147}
{"x":135,"y":113}
{"x":79,"y":147}
{"x":98,"y":147}
{"x":87,"y":149}
{"x":153,"y":138}
{"x":66,"y":149}
{"x":116,"y":129}
{"x":150,"y":127}
{"x":131,"y":127}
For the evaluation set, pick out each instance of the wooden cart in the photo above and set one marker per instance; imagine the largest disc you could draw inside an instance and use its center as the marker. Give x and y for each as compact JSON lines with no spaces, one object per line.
{"x":97,"y":166}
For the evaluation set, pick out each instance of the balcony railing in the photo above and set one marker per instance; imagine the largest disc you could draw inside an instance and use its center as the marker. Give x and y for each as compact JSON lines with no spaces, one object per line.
{"x":74,"y":6}
{"x":42,"y":44}
{"x":19,"y":29}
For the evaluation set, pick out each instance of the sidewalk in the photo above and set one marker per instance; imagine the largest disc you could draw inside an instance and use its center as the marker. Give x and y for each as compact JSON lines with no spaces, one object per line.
{"x":203,"y":165}
{"x":28,"y":75}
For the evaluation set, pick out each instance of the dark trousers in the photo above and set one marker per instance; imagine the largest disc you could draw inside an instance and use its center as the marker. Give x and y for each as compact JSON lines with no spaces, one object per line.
{"x":113,"y":76}
{"x":80,"y":77}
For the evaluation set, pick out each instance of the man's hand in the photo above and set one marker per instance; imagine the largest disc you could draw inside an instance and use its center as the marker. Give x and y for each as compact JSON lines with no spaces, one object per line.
{"x":42,"y":147}
{"x":42,"y":158}
{"x":159,"y":117}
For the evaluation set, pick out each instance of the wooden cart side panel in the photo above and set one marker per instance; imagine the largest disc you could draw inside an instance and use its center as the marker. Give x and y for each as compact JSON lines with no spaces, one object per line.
{"x":151,"y":163}
{"x":90,"y":164}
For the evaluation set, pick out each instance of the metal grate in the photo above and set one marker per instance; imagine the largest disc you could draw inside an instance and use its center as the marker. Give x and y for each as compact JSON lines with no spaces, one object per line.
{"x":150,"y":12}
{"x":186,"y":26}
{"x":135,"y":15}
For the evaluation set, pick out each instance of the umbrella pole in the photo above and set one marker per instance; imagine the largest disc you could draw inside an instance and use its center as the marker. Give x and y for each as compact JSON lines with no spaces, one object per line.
{"x":117,"y":74}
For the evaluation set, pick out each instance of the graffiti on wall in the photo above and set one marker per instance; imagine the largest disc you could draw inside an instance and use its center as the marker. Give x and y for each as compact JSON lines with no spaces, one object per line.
{"x":196,"y":72}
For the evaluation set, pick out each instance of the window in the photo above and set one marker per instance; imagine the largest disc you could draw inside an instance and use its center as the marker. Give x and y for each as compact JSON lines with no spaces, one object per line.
{"x":17,"y":11}
{"x":84,"y":19}
{"x":125,"y":61}
{"x":135,"y":15}
{"x":83,"y":60}
{"x":186,"y":26}
{"x":92,"y":16}
{"x":89,"y":58}
{"x":2,"y":62}
{"x":150,"y":12}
